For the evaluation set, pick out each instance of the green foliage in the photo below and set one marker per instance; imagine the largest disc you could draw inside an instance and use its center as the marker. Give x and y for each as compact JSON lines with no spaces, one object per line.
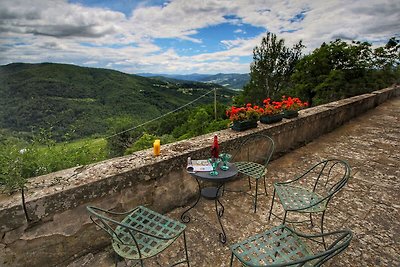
{"x":339,"y":70}
{"x":15,"y":166}
{"x":273,"y":64}
{"x":388,"y":57}
{"x":18,"y":162}
{"x":181,"y":125}
{"x":120,"y":137}
{"x":145,"y":141}
{"x":21,"y":160}
{"x":82,"y":101}
{"x":167,"y":124}
{"x":71,"y":154}
{"x":200,"y":121}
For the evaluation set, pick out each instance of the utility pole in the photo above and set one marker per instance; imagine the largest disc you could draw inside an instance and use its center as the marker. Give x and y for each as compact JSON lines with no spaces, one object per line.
{"x":215,"y":103}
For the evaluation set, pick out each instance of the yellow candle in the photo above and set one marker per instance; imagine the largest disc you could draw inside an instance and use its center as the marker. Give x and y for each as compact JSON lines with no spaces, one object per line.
{"x":156,"y":147}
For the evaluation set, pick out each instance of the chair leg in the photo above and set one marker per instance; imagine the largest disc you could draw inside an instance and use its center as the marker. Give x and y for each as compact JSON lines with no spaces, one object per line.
{"x":265,"y":187}
{"x":248,"y":179}
{"x":322,"y":228}
{"x":312,"y":224}
{"x":272,"y":204}
{"x":118,"y":258}
{"x":255,"y":197}
{"x":284,"y":217}
{"x":231,"y":260}
{"x":186,"y":251}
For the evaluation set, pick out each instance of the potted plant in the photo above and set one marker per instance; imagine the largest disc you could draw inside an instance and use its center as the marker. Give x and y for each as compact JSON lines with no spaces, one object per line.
{"x":243,"y":118}
{"x":272,"y":111}
{"x":291,"y":106}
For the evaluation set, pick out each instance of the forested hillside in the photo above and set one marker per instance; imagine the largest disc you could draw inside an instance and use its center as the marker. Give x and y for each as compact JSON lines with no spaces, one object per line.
{"x":235,"y":81}
{"x":231,"y":80}
{"x":85,"y":101}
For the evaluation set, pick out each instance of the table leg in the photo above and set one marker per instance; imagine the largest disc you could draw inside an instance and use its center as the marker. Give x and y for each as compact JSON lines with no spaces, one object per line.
{"x":184,"y":217}
{"x":220,"y":213}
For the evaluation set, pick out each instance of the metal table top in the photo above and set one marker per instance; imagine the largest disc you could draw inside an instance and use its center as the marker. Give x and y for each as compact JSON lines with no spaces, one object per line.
{"x":222,"y":177}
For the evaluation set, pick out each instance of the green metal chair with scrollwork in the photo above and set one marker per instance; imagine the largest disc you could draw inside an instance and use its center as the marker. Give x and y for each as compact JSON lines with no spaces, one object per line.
{"x":312,"y":191}
{"x":252,"y":158}
{"x":282,"y":246}
{"x":141,"y":234}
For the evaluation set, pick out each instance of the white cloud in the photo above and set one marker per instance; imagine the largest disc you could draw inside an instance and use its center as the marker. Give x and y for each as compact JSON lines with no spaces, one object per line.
{"x":240,"y":31}
{"x":56,"y":18}
{"x":55,"y":30}
{"x":178,"y":19}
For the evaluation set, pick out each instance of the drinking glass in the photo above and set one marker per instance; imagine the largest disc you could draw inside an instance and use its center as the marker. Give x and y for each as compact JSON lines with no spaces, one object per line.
{"x":225,"y":157}
{"x":214,"y":163}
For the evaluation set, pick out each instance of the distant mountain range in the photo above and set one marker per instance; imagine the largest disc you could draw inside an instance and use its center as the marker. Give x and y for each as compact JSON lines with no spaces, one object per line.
{"x":86,"y":101}
{"x":234,"y":81}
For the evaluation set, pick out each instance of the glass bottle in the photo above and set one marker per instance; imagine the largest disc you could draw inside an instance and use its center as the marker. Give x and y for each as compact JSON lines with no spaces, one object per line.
{"x":215,"y":148}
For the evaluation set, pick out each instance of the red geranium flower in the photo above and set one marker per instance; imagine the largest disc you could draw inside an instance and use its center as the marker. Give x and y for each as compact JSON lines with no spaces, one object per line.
{"x":292,"y":103}
{"x":271,"y":108}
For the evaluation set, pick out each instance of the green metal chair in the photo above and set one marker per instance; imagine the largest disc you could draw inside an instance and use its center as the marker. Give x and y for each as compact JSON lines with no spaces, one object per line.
{"x":141,"y":234}
{"x":282,"y":246}
{"x":252,"y":158}
{"x":311,"y":192}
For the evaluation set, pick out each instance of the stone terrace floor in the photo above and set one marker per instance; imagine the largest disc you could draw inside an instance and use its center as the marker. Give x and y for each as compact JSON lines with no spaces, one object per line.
{"x":368,"y":205}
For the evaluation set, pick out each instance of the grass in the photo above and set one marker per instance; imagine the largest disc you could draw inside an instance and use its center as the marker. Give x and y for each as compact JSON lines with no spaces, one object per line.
{"x":20,"y":161}
{"x":66,"y":155}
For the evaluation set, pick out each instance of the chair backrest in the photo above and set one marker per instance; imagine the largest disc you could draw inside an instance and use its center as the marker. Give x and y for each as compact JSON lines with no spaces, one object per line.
{"x":338,"y":242}
{"x":327,"y":177}
{"x":125,"y":237}
{"x":283,"y":246}
{"x":256,"y":148}
{"x":108,"y":223}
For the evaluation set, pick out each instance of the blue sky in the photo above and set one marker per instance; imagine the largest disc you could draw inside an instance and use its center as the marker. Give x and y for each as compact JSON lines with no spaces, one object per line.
{"x":181,"y":36}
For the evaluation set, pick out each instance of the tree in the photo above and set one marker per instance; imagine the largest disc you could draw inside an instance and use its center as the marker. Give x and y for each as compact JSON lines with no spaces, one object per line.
{"x":198,"y":123}
{"x":17,"y":164}
{"x":120,"y":135}
{"x":388,"y":56}
{"x":273,"y":64}
{"x":339,"y":69}
{"x":144,"y":142}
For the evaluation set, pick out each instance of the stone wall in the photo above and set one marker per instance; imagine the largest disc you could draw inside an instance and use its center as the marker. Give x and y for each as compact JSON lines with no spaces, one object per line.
{"x":61,"y":229}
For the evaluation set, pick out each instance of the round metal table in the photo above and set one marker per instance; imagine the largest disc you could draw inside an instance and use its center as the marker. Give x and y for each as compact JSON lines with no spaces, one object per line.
{"x":213,"y":192}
